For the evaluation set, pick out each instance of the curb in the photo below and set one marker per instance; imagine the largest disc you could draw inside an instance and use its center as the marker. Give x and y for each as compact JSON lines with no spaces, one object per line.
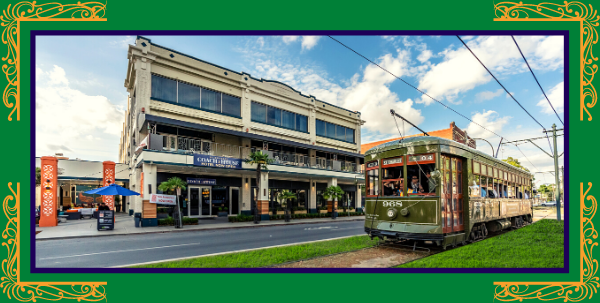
{"x":188,"y":230}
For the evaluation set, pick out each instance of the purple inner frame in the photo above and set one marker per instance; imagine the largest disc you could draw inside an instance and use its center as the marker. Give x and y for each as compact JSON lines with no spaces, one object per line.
{"x":35,"y":33}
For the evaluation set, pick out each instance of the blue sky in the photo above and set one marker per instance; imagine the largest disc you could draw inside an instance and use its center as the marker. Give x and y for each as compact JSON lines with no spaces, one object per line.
{"x":81,"y":98}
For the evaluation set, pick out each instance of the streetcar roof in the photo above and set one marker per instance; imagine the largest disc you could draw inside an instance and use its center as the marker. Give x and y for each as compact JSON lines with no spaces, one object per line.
{"x":429,"y":140}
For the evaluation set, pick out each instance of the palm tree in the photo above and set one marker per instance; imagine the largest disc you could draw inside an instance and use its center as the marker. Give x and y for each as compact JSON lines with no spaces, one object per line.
{"x":261,"y":160}
{"x":171,"y":186}
{"x":284,"y":196}
{"x":334,"y":193}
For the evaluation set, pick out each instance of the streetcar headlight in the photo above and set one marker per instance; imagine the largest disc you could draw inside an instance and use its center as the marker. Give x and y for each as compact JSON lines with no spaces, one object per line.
{"x":392,"y":213}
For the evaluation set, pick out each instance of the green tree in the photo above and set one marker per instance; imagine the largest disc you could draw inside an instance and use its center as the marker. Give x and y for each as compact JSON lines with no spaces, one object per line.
{"x":286,"y":195}
{"x":38,"y":176}
{"x":333,"y":192}
{"x":515,"y":162}
{"x":261,"y":160}
{"x":171,"y":185}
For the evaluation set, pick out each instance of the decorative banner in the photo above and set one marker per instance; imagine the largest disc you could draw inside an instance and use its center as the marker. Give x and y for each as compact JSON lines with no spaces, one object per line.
{"x":217,"y":162}
{"x":196,"y":181}
{"x":163,"y":199}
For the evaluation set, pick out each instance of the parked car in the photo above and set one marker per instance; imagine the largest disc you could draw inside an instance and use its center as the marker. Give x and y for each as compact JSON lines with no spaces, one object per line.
{"x":549,"y":203}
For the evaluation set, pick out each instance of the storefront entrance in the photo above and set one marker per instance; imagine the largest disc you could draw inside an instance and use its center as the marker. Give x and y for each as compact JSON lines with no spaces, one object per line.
{"x":199,"y":200}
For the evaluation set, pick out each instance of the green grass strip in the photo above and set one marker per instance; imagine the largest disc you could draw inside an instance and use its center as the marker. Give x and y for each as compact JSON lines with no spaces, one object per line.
{"x":270,"y":256}
{"x":539,"y":245}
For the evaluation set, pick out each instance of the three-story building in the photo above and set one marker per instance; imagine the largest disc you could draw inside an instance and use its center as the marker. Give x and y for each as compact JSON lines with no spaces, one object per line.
{"x":198,"y":121}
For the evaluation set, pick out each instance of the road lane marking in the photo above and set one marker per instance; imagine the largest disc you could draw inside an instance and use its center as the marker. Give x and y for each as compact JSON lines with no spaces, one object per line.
{"x":232,"y":252}
{"x":118,"y":251}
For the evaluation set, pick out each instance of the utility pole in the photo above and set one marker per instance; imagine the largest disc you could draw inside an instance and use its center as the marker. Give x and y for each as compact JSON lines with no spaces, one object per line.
{"x":556,"y":176}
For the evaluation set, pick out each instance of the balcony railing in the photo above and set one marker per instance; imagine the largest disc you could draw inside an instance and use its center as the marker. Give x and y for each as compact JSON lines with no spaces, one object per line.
{"x":190,"y":146}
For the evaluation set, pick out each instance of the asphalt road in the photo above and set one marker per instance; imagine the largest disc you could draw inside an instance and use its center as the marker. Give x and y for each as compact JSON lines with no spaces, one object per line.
{"x":108,"y":251}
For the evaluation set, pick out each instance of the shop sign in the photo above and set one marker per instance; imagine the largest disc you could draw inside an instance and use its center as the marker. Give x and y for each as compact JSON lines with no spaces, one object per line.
{"x":217,"y":162}
{"x":196,"y":181}
{"x":163,"y":199}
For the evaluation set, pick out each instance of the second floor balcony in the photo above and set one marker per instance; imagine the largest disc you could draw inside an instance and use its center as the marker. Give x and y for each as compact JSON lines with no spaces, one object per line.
{"x":189,"y":146}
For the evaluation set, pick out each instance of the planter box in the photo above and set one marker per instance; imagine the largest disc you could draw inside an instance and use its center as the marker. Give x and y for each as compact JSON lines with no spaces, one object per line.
{"x":297,"y":212}
{"x":222,"y":214}
{"x":162,"y":215}
{"x":352,"y":210}
{"x":322,"y":211}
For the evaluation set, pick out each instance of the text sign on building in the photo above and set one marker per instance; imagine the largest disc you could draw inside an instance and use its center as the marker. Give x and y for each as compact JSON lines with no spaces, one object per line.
{"x":196,"y":181}
{"x":163,"y":199}
{"x":217,"y":162}
{"x":392,"y":161}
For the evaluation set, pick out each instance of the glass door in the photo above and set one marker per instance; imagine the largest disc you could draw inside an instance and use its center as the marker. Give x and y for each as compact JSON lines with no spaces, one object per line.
{"x":205,"y":201}
{"x":194,"y":201}
{"x":234,"y":201}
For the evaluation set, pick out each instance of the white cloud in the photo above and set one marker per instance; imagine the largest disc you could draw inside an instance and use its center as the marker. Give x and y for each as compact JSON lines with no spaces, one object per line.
{"x":57,"y":76}
{"x":309,"y":42}
{"x":261,"y":41}
{"x":367,"y":92}
{"x":488,"y":95}
{"x":488,"y":119}
{"x":124,"y":42}
{"x":67,"y":119}
{"x":460,"y":71}
{"x":289,"y":39}
{"x":425,"y":55}
{"x":556,"y":96}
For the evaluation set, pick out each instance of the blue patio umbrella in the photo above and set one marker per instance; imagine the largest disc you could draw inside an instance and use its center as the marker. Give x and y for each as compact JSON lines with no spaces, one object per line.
{"x":112,"y":190}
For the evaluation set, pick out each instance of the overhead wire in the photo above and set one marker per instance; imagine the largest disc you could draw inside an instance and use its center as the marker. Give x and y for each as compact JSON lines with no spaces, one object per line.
{"x":439,"y":102}
{"x":498,"y":81}
{"x":422,"y":92}
{"x":536,"y":80}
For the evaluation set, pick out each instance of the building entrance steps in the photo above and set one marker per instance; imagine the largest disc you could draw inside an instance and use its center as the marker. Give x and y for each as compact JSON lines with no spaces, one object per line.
{"x":125,"y":225}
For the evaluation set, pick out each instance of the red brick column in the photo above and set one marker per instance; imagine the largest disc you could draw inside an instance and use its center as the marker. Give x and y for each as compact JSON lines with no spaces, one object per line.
{"x":108,"y":178}
{"x":48,"y":207}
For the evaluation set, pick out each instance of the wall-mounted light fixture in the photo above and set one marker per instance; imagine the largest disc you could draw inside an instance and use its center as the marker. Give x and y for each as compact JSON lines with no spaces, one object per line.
{"x":246,"y":180}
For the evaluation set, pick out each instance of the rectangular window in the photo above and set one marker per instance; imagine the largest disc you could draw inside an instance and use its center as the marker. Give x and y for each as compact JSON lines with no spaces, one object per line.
{"x":483,"y":170}
{"x":476,"y":168}
{"x":372,"y":182}
{"x":301,"y":123}
{"x":188,"y":95}
{"x":330,"y":130}
{"x":474,"y":187}
{"x":288,"y":119}
{"x":273,"y":116}
{"x":259,"y":112}
{"x":164,"y":89}
{"x":349,"y":135}
{"x":340,"y":133}
{"x":321,"y":129}
{"x":211,"y":100}
{"x":232,"y":105}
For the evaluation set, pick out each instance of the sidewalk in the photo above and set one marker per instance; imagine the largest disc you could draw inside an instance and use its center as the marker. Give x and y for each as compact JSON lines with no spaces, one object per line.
{"x":125,"y":225}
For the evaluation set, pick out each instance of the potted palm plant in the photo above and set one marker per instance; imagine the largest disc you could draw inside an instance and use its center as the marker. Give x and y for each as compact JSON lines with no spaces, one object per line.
{"x":285,"y":196}
{"x":171,"y":186}
{"x":332,"y":194}
{"x":261,"y":160}
{"x":222,"y":212}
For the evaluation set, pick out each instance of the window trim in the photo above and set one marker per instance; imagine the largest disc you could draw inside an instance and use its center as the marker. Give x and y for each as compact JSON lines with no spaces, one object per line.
{"x":334,"y":138}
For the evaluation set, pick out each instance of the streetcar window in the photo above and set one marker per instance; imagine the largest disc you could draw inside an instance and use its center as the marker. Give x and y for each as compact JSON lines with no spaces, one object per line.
{"x":476,"y":168}
{"x":372,"y":182}
{"x":484,"y":192}
{"x":483,"y":170}
{"x":419,"y":178}
{"x":393,"y":181}
{"x":474,"y":187}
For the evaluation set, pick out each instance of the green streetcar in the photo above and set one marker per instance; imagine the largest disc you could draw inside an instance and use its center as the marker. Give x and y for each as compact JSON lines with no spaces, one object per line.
{"x":438,"y":190}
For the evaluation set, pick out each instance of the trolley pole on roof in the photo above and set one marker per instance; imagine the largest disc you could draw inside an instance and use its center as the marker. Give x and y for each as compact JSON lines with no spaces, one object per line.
{"x":393,"y":112}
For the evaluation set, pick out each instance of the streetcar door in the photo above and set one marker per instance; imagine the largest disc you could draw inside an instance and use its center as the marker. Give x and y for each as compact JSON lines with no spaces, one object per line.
{"x":452,"y":195}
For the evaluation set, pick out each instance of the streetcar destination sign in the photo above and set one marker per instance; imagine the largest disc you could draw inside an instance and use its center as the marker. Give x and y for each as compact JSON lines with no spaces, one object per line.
{"x":420,"y":158}
{"x":392,"y":161}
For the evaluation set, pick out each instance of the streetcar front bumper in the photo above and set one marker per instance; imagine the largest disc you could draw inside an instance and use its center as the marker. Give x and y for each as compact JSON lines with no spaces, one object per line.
{"x":394,"y":235}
